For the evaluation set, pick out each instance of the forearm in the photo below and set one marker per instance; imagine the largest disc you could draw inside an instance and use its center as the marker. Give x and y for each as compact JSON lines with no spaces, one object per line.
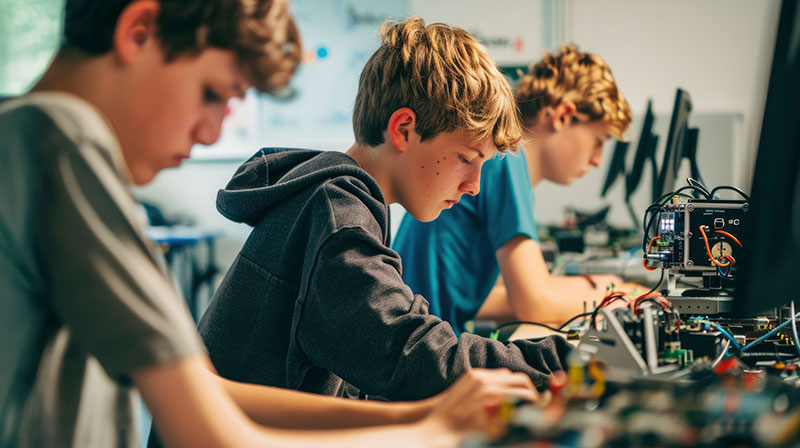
{"x":496,"y":307}
{"x":289,"y":409}
{"x":536,"y":295}
{"x":425,"y":433}
{"x":190,"y":408}
{"x":557,"y":299}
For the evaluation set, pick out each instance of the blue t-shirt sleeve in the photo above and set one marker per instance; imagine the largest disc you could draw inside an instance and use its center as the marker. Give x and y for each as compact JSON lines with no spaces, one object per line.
{"x":507,"y":199}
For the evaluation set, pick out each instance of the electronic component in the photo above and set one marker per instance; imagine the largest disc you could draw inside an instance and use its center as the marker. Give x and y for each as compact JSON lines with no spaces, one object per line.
{"x":699,"y":238}
{"x":695,"y":235}
{"x":639,"y":339}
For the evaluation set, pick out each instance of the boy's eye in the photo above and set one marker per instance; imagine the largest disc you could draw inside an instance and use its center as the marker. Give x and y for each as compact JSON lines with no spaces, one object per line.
{"x":464,"y":159}
{"x":211,"y":96}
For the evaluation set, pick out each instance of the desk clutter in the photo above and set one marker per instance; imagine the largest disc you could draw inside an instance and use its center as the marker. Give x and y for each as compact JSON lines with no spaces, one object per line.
{"x":645,"y":376}
{"x":723,"y":406}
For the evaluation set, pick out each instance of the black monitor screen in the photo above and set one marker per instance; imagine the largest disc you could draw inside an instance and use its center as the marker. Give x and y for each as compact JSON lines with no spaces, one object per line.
{"x":769,"y":270}
{"x":645,"y":150}
{"x":617,"y":166}
{"x":674,"y":151}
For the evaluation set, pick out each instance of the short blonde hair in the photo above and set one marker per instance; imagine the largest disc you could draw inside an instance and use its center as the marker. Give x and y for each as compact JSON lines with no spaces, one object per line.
{"x":445,"y":76}
{"x":582,"y":78}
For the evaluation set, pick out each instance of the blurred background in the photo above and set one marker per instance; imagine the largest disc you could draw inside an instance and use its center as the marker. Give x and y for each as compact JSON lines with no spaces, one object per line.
{"x":720,"y":51}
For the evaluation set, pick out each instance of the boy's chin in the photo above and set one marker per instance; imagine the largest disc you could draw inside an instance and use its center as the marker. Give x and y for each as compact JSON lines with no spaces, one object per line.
{"x":426,"y":216}
{"x":564,"y":181}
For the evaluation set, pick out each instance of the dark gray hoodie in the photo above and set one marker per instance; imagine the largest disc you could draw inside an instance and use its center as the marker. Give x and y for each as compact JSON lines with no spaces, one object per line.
{"x":316,"y":296}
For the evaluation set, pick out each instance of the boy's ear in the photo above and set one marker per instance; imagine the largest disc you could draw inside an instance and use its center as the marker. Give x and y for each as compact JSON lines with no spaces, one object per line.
{"x":135,"y":27}
{"x":563,"y":114}
{"x":401,"y":124}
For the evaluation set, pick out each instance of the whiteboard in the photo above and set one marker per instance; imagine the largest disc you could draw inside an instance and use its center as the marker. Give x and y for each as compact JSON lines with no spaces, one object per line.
{"x":338,"y":38}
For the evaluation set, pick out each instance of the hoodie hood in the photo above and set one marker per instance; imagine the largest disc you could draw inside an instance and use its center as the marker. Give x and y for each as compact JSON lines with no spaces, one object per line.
{"x":272,"y":175}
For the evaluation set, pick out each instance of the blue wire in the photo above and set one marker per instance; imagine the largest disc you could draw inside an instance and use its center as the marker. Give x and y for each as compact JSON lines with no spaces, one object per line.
{"x":728,"y":335}
{"x":794,"y":332}
{"x":766,"y":336}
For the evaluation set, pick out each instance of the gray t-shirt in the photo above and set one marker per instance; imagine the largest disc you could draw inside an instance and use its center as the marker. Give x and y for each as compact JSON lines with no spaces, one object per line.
{"x":83,"y":298}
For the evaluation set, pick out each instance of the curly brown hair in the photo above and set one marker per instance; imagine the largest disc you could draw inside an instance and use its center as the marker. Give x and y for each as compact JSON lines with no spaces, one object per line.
{"x":582,"y":78}
{"x":261,"y":33}
{"x":445,"y":76}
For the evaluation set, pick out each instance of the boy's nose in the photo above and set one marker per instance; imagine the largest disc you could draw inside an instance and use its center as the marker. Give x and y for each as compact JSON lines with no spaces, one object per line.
{"x":207,"y":131}
{"x":473,"y":185}
{"x":597,"y":157}
{"x":471,"y":189}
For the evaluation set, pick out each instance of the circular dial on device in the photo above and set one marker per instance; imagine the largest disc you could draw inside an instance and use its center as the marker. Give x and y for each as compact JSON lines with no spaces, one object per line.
{"x":721,"y":249}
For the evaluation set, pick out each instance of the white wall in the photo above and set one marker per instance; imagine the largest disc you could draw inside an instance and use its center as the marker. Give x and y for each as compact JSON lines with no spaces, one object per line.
{"x":720,"y":51}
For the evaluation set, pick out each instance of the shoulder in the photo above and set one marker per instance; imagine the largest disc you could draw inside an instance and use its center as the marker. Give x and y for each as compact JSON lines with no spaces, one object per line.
{"x":354,"y":200}
{"x":28,"y":137}
{"x":47,"y":116}
{"x":505,"y":164}
{"x":20,"y":118}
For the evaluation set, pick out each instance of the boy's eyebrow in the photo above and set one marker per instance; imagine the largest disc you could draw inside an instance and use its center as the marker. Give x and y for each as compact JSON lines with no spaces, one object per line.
{"x":480,"y":153}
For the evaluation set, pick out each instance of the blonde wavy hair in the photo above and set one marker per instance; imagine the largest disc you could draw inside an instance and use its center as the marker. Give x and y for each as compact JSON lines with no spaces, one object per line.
{"x":582,"y":78}
{"x":445,"y":76}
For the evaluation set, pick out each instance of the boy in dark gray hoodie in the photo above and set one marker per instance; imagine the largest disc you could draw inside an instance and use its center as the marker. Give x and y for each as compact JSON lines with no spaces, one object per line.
{"x":315,"y":297}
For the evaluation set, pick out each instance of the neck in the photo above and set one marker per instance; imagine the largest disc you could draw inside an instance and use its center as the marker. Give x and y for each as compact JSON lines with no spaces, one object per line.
{"x":77,"y":75}
{"x":373,"y":160}
{"x":91,"y":79}
{"x":532,"y":142}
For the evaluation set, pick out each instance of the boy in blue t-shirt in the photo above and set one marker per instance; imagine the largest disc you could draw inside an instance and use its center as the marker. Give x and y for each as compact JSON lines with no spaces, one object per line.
{"x":570,"y":106}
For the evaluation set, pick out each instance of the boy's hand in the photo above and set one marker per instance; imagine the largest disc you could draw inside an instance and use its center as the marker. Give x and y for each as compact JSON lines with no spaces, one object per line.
{"x":634,"y":290}
{"x":603,"y":281}
{"x":473,"y":403}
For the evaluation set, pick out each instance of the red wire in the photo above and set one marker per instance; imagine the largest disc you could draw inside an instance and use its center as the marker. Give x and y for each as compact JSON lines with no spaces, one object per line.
{"x":650,"y":246}
{"x":729,"y":236}
{"x":708,"y":249}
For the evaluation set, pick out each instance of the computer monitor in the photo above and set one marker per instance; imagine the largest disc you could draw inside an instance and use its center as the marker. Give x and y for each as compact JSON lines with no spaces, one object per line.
{"x":767,"y":276}
{"x":616,"y":168}
{"x":645,"y":150}
{"x":681,"y":143}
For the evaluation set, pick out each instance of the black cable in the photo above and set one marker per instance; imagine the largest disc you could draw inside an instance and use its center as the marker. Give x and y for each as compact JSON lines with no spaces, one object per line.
{"x":538,"y":324}
{"x":794,"y":331}
{"x":657,"y":285}
{"x":573,"y":318}
{"x":646,"y":225}
{"x":666,"y":196}
{"x":646,"y":240}
{"x":698,"y":184}
{"x":659,"y":203}
{"x":526,"y":322}
{"x":732,"y":188}
{"x":597,"y":309}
